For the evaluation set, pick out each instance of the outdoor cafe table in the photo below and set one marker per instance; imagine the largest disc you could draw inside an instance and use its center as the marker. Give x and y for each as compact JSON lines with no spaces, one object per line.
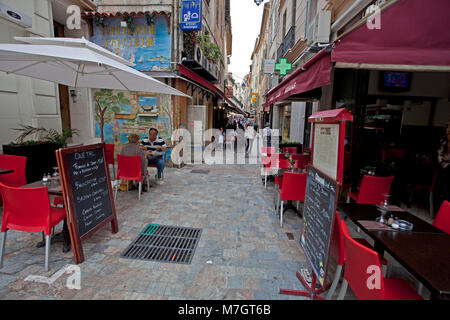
{"x":424,"y":251}
{"x":54,"y":188}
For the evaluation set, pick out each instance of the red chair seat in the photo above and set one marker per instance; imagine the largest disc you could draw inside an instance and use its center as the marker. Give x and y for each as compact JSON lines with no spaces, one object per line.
{"x":58,"y":215}
{"x":278,"y":182}
{"x":58,"y":201}
{"x":399,"y":289}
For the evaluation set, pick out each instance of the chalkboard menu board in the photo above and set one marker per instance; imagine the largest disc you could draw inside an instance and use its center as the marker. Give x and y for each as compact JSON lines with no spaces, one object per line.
{"x":87,"y":192}
{"x":318,"y":215}
{"x":89,"y":184}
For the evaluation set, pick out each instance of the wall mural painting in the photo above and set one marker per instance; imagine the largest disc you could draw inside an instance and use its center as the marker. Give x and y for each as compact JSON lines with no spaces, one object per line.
{"x":135,"y":112}
{"x":148,"y":46}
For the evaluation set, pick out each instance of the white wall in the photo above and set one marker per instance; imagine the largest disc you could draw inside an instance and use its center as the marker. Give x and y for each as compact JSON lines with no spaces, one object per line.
{"x":24,"y":100}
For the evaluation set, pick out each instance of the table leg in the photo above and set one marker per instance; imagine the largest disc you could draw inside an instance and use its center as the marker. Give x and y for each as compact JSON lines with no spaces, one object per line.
{"x":63,"y":236}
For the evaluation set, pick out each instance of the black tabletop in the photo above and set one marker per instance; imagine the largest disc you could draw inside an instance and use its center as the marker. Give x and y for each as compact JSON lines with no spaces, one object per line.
{"x":424,"y":251}
{"x":358,"y":212}
{"x":53,"y":186}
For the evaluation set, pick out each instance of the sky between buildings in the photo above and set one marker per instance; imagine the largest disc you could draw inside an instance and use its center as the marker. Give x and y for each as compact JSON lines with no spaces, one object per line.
{"x":246,"y":23}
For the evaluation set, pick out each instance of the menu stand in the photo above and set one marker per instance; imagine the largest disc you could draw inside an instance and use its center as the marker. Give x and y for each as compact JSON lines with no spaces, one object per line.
{"x":312,"y":292}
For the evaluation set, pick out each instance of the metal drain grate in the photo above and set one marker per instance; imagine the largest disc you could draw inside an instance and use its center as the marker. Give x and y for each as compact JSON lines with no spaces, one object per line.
{"x":200,"y":171}
{"x":164,"y":244}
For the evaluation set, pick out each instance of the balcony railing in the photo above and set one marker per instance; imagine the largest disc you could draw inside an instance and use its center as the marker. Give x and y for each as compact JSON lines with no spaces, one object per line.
{"x":288,"y":42}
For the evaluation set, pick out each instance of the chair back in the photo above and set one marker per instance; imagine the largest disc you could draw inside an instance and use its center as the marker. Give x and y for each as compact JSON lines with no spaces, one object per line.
{"x":373,"y":188}
{"x":109,"y":153}
{"x":268,"y":150}
{"x":337,"y":246}
{"x":303,"y":160}
{"x":290,"y":150}
{"x":293,"y":186}
{"x":359,"y":261}
{"x":16,"y":163}
{"x":442,"y":220}
{"x":32,"y":215}
{"x":129,"y":167}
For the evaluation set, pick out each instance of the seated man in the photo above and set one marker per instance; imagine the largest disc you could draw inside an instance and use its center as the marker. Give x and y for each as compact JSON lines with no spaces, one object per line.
{"x":155,"y":148}
{"x":132,"y":149}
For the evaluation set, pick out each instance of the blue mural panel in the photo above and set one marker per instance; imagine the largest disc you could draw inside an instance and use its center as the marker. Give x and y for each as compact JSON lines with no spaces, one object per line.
{"x":149,"y":46}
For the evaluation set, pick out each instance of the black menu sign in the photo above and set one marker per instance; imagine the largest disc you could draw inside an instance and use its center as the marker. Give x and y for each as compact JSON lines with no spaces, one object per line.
{"x":318,"y":214}
{"x":89,"y":187}
{"x":87,"y":193}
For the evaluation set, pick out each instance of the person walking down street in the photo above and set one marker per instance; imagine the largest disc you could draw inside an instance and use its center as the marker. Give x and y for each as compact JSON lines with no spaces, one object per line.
{"x":444,"y":167}
{"x":249,"y":136}
{"x":156,"y":148}
{"x":132,"y":149}
{"x":267,"y":134}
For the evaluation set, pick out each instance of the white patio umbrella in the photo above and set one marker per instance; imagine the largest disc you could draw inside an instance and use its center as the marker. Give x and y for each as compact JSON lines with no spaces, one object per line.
{"x":76,"y":63}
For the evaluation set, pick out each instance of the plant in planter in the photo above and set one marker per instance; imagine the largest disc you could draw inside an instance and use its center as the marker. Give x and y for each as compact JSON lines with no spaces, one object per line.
{"x":51,"y":136}
{"x":40,"y":152}
{"x":210,"y":50}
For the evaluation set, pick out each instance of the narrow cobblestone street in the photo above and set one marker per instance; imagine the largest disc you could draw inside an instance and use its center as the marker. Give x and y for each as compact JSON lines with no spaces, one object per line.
{"x":242,"y":252}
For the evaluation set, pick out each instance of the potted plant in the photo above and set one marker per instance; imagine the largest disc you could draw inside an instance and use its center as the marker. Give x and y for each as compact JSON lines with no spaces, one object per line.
{"x":40,"y":152}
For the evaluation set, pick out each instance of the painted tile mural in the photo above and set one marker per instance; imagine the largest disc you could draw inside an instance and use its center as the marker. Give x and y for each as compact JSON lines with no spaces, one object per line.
{"x":149,"y":47}
{"x":134,"y":112}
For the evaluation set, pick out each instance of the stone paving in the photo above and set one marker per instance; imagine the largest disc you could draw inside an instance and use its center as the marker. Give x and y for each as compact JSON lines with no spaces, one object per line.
{"x":242,"y":253}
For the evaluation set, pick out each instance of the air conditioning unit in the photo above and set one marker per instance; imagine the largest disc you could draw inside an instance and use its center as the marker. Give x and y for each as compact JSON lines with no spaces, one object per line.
{"x":15,"y":16}
{"x":198,"y":54}
{"x":319,"y":28}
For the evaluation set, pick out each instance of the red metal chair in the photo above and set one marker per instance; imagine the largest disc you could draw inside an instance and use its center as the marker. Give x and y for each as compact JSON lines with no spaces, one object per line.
{"x":110,"y":157}
{"x":363,"y":274}
{"x":33,"y":215}
{"x":337,"y":251}
{"x":290,"y":150}
{"x":293,"y":188}
{"x":266,"y":159}
{"x":16,"y":163}
{"x":442,"y":220}
{"x":129,"y":168}
{"x":372,"y":190}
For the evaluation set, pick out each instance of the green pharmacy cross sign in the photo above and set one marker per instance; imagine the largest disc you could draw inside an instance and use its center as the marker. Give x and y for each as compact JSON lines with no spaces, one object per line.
{"x":283,"y":66}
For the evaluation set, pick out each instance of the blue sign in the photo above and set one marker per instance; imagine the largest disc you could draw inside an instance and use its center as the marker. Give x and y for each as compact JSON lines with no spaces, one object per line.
{"x":191,"y":15}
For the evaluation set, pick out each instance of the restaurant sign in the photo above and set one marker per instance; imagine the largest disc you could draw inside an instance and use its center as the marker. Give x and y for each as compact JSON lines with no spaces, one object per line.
{"x":149,"y":46}
{"x":191,"y":15}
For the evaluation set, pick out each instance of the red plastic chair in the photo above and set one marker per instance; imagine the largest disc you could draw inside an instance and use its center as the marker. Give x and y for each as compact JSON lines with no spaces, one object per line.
{"x":362,"y":263}
{"x":33,"y":215}
{"x":372,"y":190}
{"x":337,"y":251}
{"x":442,"y":220}
{"x":129,"y":168}
{"x":293,"y":188}
{"x":290,"y":150}
{"x":16,"y":163}
{"x":303,"y":159}
{"x":110,"y":156}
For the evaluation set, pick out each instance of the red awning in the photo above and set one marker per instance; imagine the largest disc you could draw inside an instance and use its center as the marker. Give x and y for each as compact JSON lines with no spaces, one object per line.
{"x":313,"y":74}
{"x":413,"y":32}
{"x":334,"y":115}
{"x":195,"y":77}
